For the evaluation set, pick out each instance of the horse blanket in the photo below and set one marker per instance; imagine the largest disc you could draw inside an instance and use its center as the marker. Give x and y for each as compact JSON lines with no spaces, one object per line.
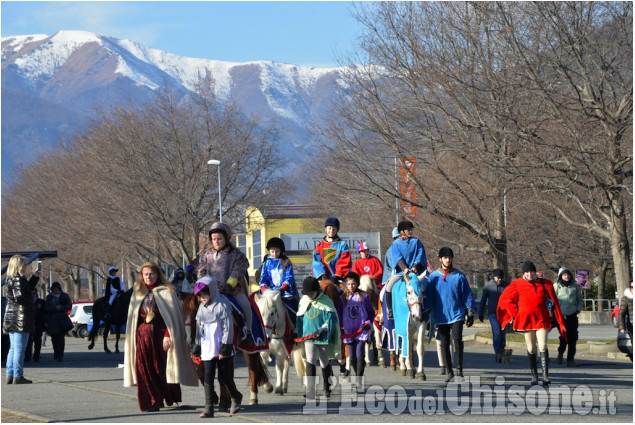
{"x":257,"y":328}
{"x":398,"y":335}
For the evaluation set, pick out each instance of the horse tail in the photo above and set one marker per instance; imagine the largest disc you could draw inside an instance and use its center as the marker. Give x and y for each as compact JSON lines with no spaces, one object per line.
{"x":257,"y":365}
{"x":298,"y":362}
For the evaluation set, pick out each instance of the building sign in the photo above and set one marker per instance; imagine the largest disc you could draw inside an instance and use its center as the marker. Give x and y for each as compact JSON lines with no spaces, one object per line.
{"x":305,"y":243}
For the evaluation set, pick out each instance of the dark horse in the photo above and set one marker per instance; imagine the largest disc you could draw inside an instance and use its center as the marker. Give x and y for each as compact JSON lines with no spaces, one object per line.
{"x":258,"y":375}
{"x":118,"y":317}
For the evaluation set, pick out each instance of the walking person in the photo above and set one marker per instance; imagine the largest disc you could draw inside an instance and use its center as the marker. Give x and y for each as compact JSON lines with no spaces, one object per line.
{"x":318,"y":328}
{"x":356,"y":315}
{"x":34,"y":346}
{"x":408,"y":255}
{"x":571,"y":303}
{"x":156,"y":356}
{"x":19,"y":319}
{"x":214,"y":336}
{"x":228,"y":266}
{"x":449,"y":295}
{"x":58,"y":323}
{"x":489,"y":301}
{"x":530,"y":304}
{"x":625,"y":318}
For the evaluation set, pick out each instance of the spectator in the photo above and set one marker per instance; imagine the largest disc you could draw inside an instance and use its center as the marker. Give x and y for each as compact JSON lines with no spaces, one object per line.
{"x":449,"y":295}
{"x":368,"y":265}
{"x":215,"y":335}
{"x":530,"y":304}
{"x":57,"y":305}
{"x":489,"y":301}
{"x":228,"y":266}
{"x":156,"y":356}
{"x":570,"y":300}
{"x":34,"y":346}
{"x":18,"y":319}
{"x":626,"y":311}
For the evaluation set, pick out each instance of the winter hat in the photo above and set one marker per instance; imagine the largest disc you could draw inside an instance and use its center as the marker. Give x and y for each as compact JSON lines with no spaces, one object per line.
{"x":112,"y":268}
{"x":202,"y":282}
{"x":405,"y":225}
{"x":220,"y":228}
{"x":395,"y":232}
{"x":56,"y":285}
{"x":498,"y":273}
{"x":362,"y":246}
{"x":446,"y":252}
{"x":529,"y":267}
{"x":276,"y":243}
{"x":190,"y":268}
{"x":310,"y":285}
{"x":332,"y":221}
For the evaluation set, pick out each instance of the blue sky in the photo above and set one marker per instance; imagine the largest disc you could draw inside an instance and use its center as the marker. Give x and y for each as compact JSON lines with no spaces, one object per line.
{"x":297,"y":32}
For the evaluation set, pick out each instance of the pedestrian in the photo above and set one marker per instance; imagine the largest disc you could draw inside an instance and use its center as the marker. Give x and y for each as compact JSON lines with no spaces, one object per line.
{"x":332,"y":257}
{"x":214,"y":336}
{"x":625,"y":318}
{"x":228,"y":266}
{"x":449,"y":295}
{"x":356,"y":315}
{"x":489,"y":301}
{"x":318,"y":328}
{"x":388,"y":268}
{"x":571,"y":303}
{"x":368,"y":265}
{"x":57,"y":305}
{"x":156,"y":356}
{"x":407,"y":255}
{"x":177,"y":280}
{"x":114,"y":288}
{"x":19,"y":319}
{"x":530,"y":304}
{"x":441,"y":353}
{"x":277,"y":274}
{"x":34,"y":346}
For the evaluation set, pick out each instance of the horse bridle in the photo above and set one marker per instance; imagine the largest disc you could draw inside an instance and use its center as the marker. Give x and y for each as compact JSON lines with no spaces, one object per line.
{"x":273,"y":331}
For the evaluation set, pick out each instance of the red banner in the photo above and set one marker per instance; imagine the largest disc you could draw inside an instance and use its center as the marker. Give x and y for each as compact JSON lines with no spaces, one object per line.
{"x":408,"y":188}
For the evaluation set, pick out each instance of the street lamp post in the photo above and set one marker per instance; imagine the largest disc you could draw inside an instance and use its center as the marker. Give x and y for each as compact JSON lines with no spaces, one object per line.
{"x":220,"y":198}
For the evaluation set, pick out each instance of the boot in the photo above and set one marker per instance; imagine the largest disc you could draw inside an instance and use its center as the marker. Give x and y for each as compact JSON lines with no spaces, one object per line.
{"x":450,"y":375}
{"x":533,"y":367}
{"x":326,"y":375}
{"x":209,"y":403}
{"x":560,"y":355}
{"x":310,"y":381}
{"x":459,"y":366}
{"x":107,"y":312}
{"x":443,"y":371}
{"x":21,"y":380}
{"x":544,"y":360}
{"x":236,"y":402}
{"x":389,"y":314}
{"x":361,"y":365}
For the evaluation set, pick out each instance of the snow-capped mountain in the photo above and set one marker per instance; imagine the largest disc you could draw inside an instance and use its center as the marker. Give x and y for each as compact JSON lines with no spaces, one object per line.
{"x":50,"y":85}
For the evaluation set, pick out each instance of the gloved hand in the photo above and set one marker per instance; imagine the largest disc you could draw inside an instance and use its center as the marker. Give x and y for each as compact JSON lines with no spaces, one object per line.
{"x":480,"y":318}
{"x":196,"y":350}
{"x":232,"y":281}
{"x":338,"y":281}
{"x":225,"y":289}
{"x":470,"y":318}
{"x":366,"y":326}
{"x":285,"y":287}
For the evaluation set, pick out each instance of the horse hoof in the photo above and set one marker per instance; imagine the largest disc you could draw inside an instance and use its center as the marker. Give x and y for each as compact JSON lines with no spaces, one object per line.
{"x":253,"y":401}
{"x":393,"y":367}
{"x":410,"y":373}
{"x":268,"y":387}
{"x":91,"y":346}
{"x":279,"y":391}
{"x":402,"y":372}
{"x":108,"y":351}
{"x":421,"y":376}
{"x":382,"y":365}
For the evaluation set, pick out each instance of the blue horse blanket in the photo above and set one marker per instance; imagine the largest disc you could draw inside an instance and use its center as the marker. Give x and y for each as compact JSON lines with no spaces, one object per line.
{"x":395,"y":335}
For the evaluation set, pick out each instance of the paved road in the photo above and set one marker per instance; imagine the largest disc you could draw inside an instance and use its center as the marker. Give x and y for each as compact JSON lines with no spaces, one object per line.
{"x":88,"y":387}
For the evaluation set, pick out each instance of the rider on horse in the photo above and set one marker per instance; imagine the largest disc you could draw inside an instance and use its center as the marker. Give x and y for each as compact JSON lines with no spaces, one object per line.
{"x":332,"y":258}
{"x":277,"y":274}
{"x":114,"y":288}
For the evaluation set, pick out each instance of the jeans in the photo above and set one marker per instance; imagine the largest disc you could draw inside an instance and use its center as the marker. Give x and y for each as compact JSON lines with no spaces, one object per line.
{"x":15,"y":358}
{"x":498,"y":336}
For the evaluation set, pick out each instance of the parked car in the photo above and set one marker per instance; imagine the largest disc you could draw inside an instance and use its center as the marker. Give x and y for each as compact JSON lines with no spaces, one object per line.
{"x":615,"y":315}
{"x":80,"y":315}
{"x":113,"y":328}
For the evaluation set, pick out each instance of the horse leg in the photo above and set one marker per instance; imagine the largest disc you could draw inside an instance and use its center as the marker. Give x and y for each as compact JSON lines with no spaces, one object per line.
{"x":300,"y":367}
{"x":106,"y":333}
{"x":279,"y":374}
{"x":393,"y":361}
{"x":421,"y":350}
{"x":285,"y":373}
{"x":380,"y":353}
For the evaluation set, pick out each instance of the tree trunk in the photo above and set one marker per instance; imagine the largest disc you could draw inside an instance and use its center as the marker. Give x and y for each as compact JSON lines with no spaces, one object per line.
{"x":620,"y":248}
{"x":602,"y":283}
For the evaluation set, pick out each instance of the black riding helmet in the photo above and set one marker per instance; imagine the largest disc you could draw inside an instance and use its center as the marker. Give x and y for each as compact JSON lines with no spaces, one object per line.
{"x":276,"y":243}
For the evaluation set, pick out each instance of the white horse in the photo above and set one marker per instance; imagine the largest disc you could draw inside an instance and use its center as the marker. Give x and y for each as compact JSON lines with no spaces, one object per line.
{"x":367,"y":285}
{"x":416,"y":336}
{"x":274,"y":317}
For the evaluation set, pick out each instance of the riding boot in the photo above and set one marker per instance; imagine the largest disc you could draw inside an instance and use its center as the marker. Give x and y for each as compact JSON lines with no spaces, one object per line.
{"x":389,"y":314}
{"x":209,"y":402}
{"x":310,"y":381}
{"x":326,"y":375}
{"x":533,"y":367}
{"x":459,"y":367}
{"x":544,"y":361}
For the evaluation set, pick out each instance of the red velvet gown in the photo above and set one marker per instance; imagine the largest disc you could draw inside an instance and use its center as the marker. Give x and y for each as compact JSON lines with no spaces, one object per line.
{"x":150,"y":363}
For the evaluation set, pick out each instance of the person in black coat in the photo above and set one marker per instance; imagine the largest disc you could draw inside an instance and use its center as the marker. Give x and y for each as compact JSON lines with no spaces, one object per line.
{"x":489,"y":301}
{"x":19,"y":319}
{"x":34,"y":345}
{"x":57,"y":305}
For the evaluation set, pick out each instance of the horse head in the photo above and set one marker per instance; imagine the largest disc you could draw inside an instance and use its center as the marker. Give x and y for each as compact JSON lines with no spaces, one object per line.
{"x":414,"y":304}
{"x":272,"y":311}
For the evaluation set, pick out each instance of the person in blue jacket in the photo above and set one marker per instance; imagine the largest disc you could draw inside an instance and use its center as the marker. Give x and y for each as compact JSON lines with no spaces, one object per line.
{"x":277,"y":274}
{"x":449,"y":295}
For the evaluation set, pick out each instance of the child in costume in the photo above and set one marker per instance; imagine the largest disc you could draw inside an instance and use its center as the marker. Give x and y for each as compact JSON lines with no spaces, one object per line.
{"x":277,"y":274}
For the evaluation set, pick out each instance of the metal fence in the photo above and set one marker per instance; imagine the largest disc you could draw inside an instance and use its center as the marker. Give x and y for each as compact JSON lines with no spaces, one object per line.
{"x":603,"y":303}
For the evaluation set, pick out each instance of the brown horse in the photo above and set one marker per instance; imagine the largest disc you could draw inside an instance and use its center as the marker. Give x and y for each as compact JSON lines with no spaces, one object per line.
{"x":257,"y":371}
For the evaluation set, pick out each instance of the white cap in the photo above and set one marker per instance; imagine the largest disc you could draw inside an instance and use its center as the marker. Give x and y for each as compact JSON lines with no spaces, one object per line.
{"x":112,"y":268}
{"x":395,"y":233}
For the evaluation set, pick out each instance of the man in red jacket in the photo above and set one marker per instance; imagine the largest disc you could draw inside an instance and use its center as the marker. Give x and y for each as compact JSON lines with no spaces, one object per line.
{"x":368,"y":265}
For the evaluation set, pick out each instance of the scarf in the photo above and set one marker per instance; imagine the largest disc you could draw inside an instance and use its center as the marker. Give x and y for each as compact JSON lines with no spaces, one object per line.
{"x":447,"y":272}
